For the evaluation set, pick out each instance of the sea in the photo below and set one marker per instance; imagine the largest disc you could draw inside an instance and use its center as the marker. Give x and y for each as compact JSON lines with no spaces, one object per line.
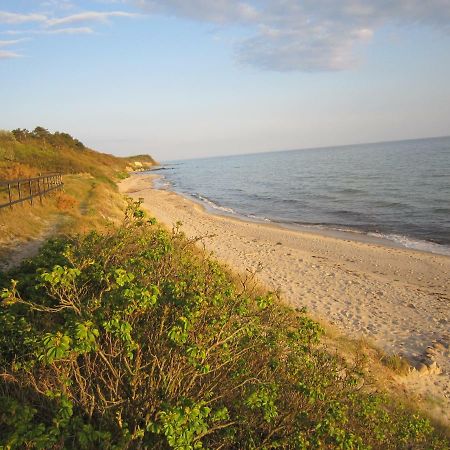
{"x":398,"y":192}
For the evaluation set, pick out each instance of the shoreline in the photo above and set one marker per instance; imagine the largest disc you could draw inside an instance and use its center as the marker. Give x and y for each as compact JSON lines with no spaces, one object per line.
{"x":398,"y":298}
{"x":318,"y":229}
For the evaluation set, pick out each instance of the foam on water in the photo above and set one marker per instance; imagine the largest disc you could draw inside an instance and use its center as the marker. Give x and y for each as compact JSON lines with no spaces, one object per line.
{"x":213,"y":205}
{"x":414,"y":244}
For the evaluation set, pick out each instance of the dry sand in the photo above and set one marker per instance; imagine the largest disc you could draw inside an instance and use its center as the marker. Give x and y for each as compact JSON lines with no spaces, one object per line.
{"x":397,"y":298}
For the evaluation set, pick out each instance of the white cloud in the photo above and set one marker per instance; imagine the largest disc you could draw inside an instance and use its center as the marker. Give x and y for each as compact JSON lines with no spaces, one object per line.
{"x":307,"y":50}
{"x":50,"y":23}
{"x":8,"y":55}
{"x":11,"y":42}
{"x":69,"y":30}
{"x":217,"y":11}
{"x":88,"y":16}
{"x":15,"y":19}
{"x":307,"y":35}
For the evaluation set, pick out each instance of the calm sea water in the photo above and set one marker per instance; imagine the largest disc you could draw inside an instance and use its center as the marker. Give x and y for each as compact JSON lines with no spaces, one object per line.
{"x":395,"y":190}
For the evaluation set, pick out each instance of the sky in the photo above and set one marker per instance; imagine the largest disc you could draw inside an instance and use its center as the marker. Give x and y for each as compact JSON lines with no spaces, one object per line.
{"x":191,"y":78}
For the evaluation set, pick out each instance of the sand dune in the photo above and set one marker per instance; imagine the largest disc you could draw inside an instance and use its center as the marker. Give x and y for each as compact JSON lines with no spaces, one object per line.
{"x":398,"y":298}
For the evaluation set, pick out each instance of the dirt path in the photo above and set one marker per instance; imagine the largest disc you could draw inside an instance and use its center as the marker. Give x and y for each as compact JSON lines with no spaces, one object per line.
{"x":13,"y":252}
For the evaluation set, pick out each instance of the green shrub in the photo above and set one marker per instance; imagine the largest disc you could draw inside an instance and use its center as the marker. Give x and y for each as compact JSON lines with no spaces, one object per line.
{"x":135,"y":339}
{"x":122,"y":175}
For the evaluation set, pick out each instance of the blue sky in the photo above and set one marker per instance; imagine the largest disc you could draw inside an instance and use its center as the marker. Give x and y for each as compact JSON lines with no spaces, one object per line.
{"x":189,"y":78}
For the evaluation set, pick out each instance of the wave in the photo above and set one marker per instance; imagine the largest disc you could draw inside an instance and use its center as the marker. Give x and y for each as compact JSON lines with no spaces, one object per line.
{"x":213,"y":205}
{"x":388,"y":204}
{"x":356,"y":215}
{"x":400,"y":240}
{"x":441,"y":210}
{"x":414,"y":244}
{"x":253,"y":217}
{"x":161,"y":183}
{"x":351,"y":191}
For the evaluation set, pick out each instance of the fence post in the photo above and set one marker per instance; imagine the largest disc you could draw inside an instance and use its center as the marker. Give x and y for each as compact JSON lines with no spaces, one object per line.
{"x":31,"y":192}
{"x":39,"y":190}
{"x":9,"y":195}
{"x":18,"y":190}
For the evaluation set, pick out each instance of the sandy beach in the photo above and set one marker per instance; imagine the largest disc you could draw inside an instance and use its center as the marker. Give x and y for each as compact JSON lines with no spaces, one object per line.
{"x":397,"y":298}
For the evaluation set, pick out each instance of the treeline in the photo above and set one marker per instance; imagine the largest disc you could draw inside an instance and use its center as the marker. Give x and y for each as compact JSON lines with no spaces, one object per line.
{"x":56,"y":139}
{"x":26,"y":153}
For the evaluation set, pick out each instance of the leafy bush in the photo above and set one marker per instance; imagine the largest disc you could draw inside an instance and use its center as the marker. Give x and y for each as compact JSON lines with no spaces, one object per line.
{"x":135,"y":339}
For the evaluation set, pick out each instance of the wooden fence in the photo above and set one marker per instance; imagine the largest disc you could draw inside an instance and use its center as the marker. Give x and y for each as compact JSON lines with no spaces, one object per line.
{"x":28,"y":189}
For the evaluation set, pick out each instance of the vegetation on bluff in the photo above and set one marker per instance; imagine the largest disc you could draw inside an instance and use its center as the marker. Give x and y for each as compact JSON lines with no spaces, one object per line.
{"x":25,"y":153}
{"x":133,"y":338}
{"x":90,"y":199}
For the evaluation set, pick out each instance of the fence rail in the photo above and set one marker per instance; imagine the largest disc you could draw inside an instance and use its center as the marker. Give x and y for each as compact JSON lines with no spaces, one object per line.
{"x":13,"y":192}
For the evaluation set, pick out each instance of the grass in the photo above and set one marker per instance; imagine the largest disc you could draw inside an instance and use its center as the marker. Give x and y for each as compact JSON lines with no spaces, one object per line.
{"x":396,"y":363}
{"x":90,"y":199}
{"x":85,"y":204}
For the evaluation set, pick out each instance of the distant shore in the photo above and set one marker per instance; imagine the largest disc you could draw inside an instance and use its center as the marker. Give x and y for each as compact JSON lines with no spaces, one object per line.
{"x":398,"y":298}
